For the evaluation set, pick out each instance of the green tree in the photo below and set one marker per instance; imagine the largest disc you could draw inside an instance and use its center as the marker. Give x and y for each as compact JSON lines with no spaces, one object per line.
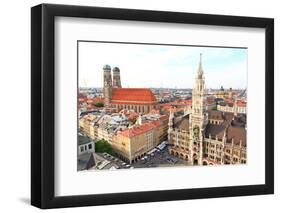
{"x":99,"y":104}
{"x":215,"y":108}
{"x":103,"y":146}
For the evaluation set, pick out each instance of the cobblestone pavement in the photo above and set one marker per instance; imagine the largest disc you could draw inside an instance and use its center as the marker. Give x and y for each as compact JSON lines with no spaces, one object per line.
{"x":159,"y":159}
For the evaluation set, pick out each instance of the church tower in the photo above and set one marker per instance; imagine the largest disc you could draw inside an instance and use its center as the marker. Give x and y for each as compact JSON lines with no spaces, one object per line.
{"x":107,"y":85}
{"x":170,"y":125}
{"x":116,"y":78}
{"x":198,"y":118}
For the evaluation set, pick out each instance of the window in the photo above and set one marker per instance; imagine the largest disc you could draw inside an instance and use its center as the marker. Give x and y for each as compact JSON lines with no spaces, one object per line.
{"x":90,"y":146}
{"x":82,"y":149}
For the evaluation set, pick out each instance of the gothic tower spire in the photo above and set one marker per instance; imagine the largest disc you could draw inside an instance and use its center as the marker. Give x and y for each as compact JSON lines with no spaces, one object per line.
{"x":198,"y":118}
{"x":200,"y":68}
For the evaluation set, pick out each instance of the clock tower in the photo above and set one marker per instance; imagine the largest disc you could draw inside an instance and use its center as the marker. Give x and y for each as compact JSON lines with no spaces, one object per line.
{"x":198,"y":119}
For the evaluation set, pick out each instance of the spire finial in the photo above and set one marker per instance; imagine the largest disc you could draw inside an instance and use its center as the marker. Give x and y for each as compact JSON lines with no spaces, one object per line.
{"x":200,"y":68}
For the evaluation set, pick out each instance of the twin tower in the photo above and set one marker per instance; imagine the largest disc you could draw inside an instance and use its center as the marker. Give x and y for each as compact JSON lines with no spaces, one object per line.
{"x":109,"y":83}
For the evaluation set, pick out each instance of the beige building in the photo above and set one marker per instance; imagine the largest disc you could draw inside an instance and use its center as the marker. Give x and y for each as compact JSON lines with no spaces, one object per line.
{"x":129,"y":141}
{"x":238,"y":107}
{"x":133,"y":143}
{"x":86,"y":124}
{"x":103,"y":126}
{"x":222,"y":93}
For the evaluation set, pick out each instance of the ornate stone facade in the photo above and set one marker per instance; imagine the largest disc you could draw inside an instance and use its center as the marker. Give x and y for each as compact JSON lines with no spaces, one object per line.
{"x":207,"y":137}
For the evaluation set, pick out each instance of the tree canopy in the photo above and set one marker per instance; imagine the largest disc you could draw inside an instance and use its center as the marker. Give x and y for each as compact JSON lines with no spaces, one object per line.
{"x":99,"y":104}
{"x":103,"y":146}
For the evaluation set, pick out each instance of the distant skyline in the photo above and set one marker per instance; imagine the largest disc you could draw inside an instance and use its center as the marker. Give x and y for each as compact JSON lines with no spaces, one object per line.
{"x":162,"y":66}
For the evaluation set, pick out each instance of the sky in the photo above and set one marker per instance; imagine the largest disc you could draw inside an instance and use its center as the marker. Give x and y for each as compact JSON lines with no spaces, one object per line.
{"x":162,"y":66}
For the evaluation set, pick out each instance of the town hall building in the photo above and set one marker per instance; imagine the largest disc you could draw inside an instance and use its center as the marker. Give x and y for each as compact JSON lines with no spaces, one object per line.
{"x":207,"y":137}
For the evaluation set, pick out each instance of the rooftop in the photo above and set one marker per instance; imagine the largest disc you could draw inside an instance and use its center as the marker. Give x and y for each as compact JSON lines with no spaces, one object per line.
{"x":183,"y":124}
{"x":83,"y":139}
{"x":236,"y":134}
{"x":140,"y":129}
{"x":116,"y":69}
{"x":106,"y":67}
{"x":133,"y":95}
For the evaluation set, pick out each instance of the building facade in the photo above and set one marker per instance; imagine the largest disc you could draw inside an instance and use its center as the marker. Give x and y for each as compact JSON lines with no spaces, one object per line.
{"x":207,"y":137}
{"x":236,"y":107}
{"x":135,"y":142}
{"x":141,"y":100}
{"x":222,"y":93}
{"x":85,"y":145}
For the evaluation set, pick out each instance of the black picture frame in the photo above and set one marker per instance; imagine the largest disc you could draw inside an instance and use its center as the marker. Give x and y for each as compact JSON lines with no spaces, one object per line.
{"x":43,"y":105}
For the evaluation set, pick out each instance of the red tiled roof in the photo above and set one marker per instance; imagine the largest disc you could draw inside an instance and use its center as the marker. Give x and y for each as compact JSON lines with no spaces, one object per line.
{"x":82,"y":100}
{"x":81,"y":95}
{"x":132,"y":102}
{"x":169,"y":107}
{"x":209,"y":101}
{"x":228,"y":100}
{"x":154,"y":111}
{"x":90,"y":101}
{"x":164,"y":117}
{"x":129,"y":95}
{"x":181,"y":102}
{"x":98,"y":99}
{"x":140,"y":129}
{"x":241,"y":103}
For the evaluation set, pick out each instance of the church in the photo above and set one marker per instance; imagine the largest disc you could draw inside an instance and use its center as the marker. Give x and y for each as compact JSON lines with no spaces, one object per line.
{"x":207,"y":137}
{"x":141,"y":100}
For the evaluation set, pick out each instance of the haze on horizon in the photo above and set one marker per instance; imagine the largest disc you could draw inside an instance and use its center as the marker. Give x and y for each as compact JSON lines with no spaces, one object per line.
{"x":162,"y":66}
